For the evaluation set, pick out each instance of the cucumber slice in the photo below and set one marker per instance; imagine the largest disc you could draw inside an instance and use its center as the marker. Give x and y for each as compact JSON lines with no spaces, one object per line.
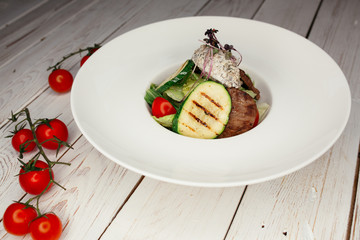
{"x":205,"y":112}
{"x":181,"y":74}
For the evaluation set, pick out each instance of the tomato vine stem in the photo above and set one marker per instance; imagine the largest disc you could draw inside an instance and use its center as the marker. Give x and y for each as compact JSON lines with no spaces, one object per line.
{"x":88,"y":49}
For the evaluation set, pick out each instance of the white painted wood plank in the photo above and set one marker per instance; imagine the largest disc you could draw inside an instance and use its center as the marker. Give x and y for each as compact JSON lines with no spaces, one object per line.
{"x":240,"y":8}
{"x":89,"y":27}
{"x":293,"y":15}
{"x":158,"y":10}
{"x":313,"y":203}
{"x":337,"y":31}
{"x":159,"y":210}
{"x":36,"y":25}
{"x":11,"y":10}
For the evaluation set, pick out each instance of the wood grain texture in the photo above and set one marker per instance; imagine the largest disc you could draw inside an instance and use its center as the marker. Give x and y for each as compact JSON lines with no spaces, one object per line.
{"x":158,"y":10}
{"x":337,"y":31}
{"x":89,"y":27}
{"x":241,"y":8}
{"x":293,"y":15}
{"x":36,"y":25}
{"x":11,"y":10}
{"x":157,"y":209}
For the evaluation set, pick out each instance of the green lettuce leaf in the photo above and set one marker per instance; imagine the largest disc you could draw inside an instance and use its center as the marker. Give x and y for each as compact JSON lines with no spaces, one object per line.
{"x":165,"y":121}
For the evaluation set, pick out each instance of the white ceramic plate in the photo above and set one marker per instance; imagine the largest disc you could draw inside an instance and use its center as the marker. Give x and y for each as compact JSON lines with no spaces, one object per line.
{"x":308,"y":93}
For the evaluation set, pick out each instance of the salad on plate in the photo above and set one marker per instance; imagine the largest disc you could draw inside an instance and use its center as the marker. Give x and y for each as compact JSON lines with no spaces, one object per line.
{"x":208,"y":96}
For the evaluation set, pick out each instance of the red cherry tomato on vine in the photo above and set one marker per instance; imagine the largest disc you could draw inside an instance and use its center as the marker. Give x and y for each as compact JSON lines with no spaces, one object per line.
{"x":93,"y":50}
{"x":20,"y":138}
{"x":17,"y":218}
{"x":61,"y":80}
{"x":44,"y":132}
{"x":83,"y":60}
{"x":34,"y":182}
{"x":47,"y":227}
{"x":162,"y":107}
{"x":86,"y":57}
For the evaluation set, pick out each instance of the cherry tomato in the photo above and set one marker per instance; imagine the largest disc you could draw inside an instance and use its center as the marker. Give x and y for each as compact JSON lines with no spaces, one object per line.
{"x":256,"y":122}
{"x":47,"y":227}
{"x":83,"y":60}
{"x":21,"y":137}
{"x":86,"y":57}
{"x":44,"y":132}
{"x":17,"y":218}
{"x":34,"y":182}
{"x":162,"y":107}
{"x":94,"y":50}
{"x":61,"y":80}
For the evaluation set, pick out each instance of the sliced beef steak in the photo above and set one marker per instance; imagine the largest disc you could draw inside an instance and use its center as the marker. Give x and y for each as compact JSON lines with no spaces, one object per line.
{"x":242,"y":115}
{"x":247,"y":81}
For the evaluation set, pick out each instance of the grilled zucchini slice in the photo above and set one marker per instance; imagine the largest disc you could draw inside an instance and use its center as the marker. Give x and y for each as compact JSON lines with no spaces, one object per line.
{"x":205,"y":112}
{"x":181,"y":74}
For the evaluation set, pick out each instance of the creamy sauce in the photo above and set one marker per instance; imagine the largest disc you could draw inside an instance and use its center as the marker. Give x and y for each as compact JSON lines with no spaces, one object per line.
{"x":223,"y":70}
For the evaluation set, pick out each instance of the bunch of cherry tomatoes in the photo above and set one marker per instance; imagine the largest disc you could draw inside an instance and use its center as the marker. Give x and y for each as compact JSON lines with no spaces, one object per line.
{"x":36,"y":177}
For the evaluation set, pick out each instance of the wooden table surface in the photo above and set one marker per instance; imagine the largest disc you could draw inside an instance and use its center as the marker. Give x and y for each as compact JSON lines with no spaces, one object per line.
{"x":106,"y":201}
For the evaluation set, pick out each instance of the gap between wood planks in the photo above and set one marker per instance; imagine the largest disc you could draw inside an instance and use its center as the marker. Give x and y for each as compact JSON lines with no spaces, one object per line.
{"x":257,"y":10}
{"x":354,"y":196}
{"x":235,"y":212}
{"x":313,"y":20}
{"x":123,"y":204}
{"x":205,"y":4}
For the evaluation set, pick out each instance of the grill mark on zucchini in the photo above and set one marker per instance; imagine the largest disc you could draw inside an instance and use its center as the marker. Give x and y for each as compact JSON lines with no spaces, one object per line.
{"x":212,"y":100}
{"x":199,"y":121}
{"x":206,"y":111}
{"x":188,"y":127}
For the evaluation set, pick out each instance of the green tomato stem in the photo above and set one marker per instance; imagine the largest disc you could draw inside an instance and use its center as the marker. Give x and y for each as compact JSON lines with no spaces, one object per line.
{"x":57,"y":65}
